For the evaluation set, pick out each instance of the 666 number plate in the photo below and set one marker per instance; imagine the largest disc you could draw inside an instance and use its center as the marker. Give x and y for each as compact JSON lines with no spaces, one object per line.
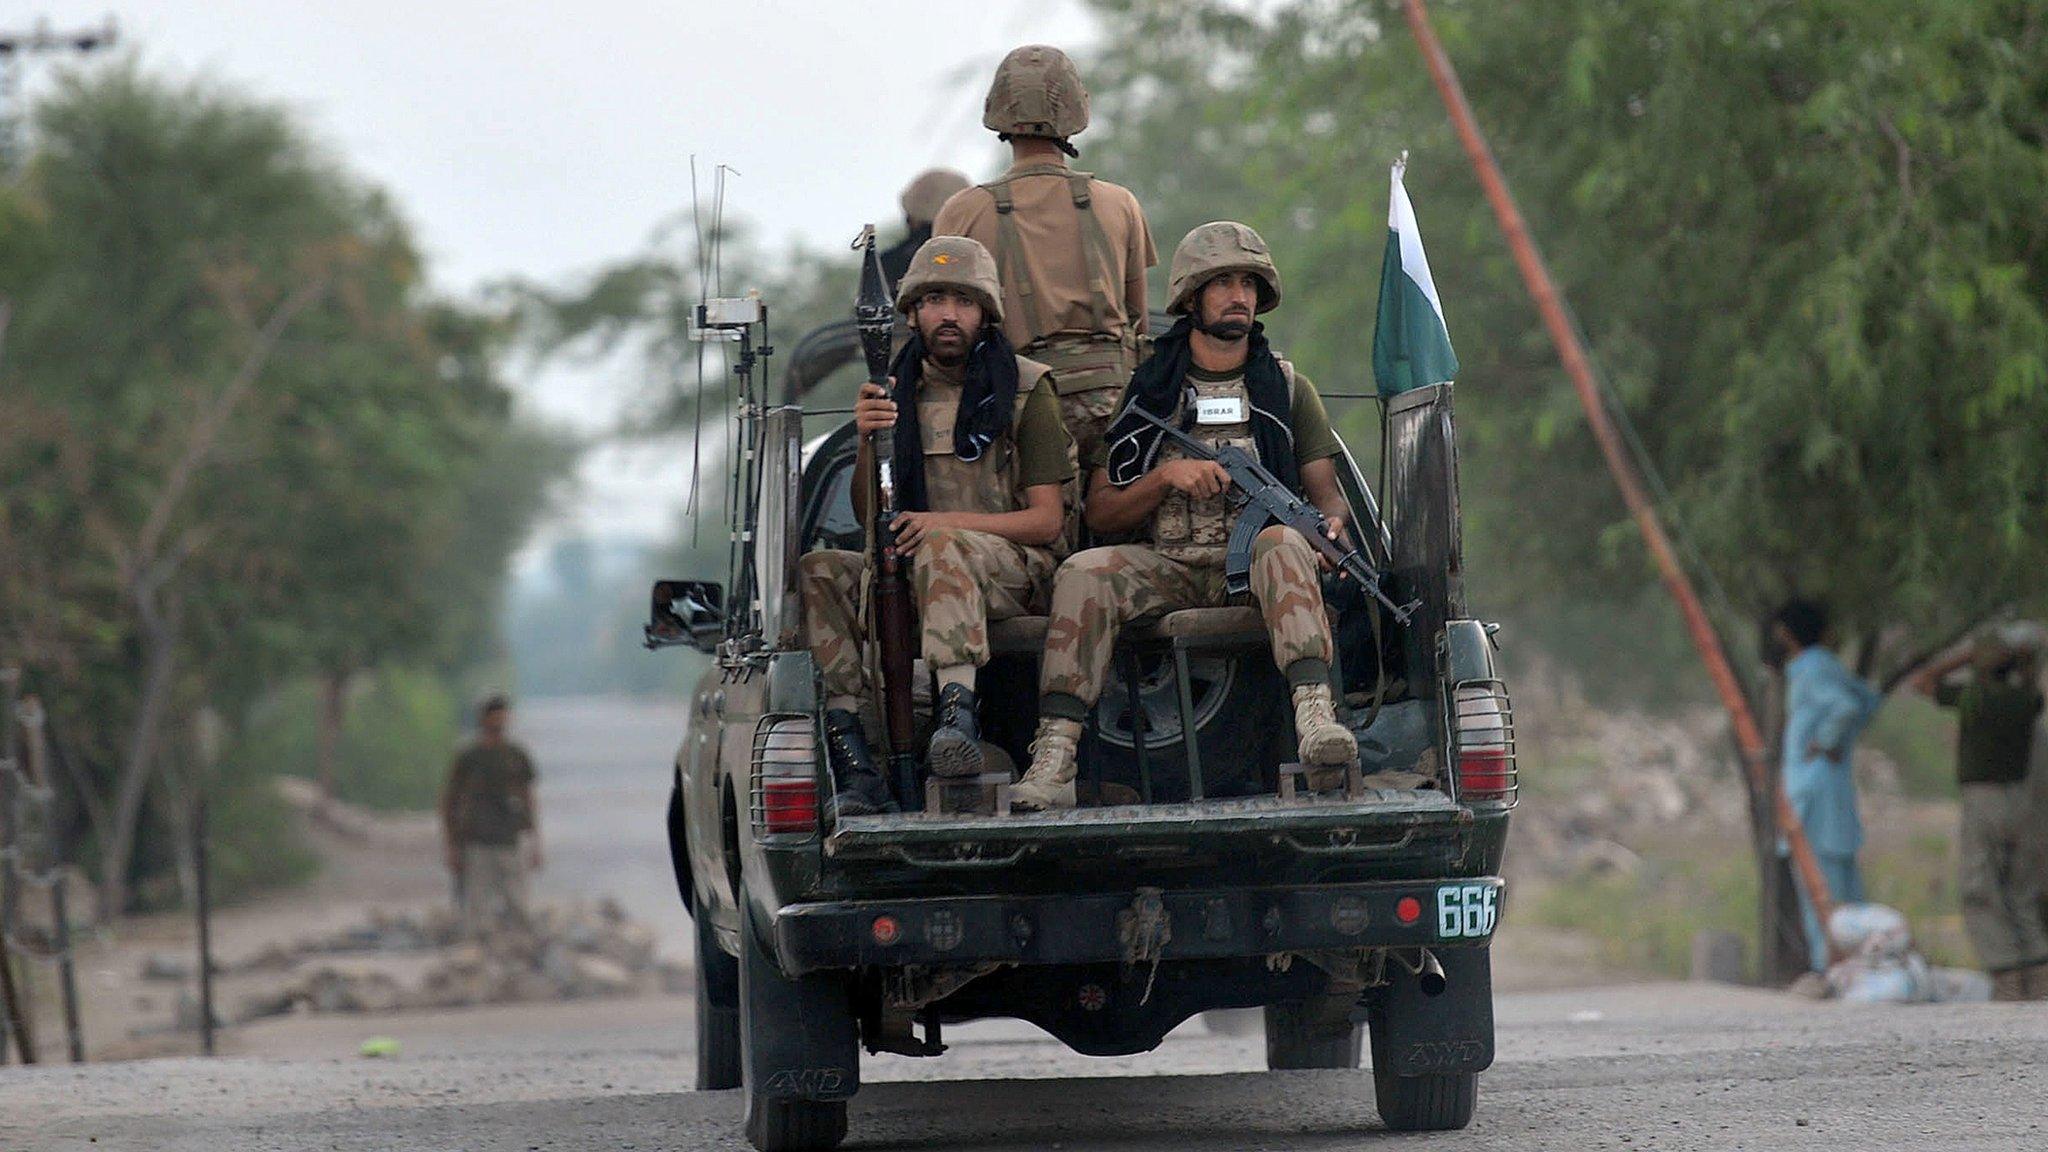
{"x":1467,"y":911}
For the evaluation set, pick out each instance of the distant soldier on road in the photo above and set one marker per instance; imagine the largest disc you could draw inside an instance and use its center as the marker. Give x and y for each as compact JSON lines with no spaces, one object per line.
{"x":1071,"y":250}
{"x":980,"y":456}
{"x":1997,"y":704}
{"x":1216,"y":376}
{"x":487,"y":806}
{"x":921,"y":200}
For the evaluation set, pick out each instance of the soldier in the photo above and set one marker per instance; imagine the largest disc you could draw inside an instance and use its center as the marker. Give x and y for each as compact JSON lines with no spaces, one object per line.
{"x":981,"y":457}
{"x":486,"y":805}
{"x":922,"y":198}
{"x":1215,"y":374}
{"x":1071,"y":250}
{"x":1997,"y":706}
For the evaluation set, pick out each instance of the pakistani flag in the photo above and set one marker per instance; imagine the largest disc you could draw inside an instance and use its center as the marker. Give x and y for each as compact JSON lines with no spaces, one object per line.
{"x":1411,"y":346}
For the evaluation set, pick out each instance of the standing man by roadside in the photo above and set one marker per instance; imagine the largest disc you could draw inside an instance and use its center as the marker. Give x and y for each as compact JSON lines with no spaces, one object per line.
{"x":486,"y":806}
{"x":1826,"y":708}
{"x":1071,"y":250}
{"x":1997,"y":704}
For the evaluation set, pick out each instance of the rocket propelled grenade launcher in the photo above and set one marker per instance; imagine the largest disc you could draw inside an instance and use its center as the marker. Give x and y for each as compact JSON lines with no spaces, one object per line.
{"x":1264,"y":500}
{"x":874,"y":317}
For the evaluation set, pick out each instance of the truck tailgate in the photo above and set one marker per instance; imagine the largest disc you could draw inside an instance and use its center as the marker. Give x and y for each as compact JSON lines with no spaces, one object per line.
{"x":1379,"y":822}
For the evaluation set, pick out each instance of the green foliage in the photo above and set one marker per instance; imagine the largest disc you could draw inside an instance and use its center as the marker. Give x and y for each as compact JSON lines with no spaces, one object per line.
{"x":1804,"y":240}
{"x":1921,"y":738}
{"x":1644,"y":921}
{"x":254,"y":842}
{"x":402,"y":726}
{"x":238,"y":439}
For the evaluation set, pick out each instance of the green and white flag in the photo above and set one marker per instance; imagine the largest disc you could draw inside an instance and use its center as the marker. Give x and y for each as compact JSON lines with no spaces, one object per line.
{"x":1411,"y":345}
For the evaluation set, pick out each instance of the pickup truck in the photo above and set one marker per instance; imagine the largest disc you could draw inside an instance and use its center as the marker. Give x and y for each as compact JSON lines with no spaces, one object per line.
{"x":1194,"y":876}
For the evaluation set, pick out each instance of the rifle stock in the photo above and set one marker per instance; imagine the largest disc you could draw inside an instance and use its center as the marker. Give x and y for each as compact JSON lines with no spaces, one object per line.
{"x":894,"y":621}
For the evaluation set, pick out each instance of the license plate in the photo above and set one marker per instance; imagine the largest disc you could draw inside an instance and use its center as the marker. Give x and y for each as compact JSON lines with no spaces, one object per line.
{"x":1467,"y":911}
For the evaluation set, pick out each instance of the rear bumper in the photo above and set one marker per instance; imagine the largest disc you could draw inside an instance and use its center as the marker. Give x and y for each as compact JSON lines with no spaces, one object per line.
{"x":1090,"y":928}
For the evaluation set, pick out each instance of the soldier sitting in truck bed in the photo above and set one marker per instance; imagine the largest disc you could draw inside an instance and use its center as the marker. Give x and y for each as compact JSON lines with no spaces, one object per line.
{"x":1214,"y":373}
{"x":980,"y":455}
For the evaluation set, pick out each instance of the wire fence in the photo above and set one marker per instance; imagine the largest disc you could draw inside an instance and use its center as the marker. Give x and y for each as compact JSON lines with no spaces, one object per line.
{"x":32,"y":872}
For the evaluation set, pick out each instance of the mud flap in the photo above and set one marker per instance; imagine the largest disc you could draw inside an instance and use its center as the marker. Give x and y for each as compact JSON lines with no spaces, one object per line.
{"x":1449,"y":1033}
{"x":798,"y":1038}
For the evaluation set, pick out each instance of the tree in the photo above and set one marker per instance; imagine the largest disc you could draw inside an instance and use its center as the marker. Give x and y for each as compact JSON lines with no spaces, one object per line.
{"x":243,"y":441}
{"x":1803,"y":239}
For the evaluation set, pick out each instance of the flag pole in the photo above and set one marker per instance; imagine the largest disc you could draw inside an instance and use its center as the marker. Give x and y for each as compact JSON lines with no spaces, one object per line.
{"x":1536,"y":275}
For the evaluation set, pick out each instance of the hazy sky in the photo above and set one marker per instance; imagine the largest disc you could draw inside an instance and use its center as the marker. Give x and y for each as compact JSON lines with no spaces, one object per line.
{"x":545,"y":139}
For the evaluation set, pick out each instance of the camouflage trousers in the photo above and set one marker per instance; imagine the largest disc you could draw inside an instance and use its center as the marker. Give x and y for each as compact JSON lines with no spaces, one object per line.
{"x":493,"y":891}
{"x":960,"y":580}
{"x":1098,"y":591}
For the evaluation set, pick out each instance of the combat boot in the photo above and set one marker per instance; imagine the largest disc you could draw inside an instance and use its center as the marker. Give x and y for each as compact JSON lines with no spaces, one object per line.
{"x":1050,"y":782}
{"x":1327,"y":746}
{"x":955,"y":749}
{"x":2036,"y":981}
{"x":2009,"y":985}
{"x":861,"y":789}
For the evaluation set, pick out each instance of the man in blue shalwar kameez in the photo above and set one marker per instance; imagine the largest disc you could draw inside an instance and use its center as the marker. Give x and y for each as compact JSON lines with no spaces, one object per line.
{"x":1826,"y":708}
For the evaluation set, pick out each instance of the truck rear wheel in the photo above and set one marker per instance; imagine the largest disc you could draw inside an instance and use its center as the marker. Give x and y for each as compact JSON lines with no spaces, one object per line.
{"x":800,"y":1055}
{"x":718,"y":1011}
{"x":1304,"y":1035}
{"x":1439,"y":1102}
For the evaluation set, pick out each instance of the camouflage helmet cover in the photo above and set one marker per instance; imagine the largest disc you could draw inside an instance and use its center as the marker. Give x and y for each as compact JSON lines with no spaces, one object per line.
{"x":955,"y":262}
{"x":1037,"y":92}
{"x":923,"y":197}
{"x":1215,"y":248}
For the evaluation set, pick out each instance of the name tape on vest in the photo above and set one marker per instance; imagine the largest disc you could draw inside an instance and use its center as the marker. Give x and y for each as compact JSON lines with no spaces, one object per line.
{"x":1219,"y":410}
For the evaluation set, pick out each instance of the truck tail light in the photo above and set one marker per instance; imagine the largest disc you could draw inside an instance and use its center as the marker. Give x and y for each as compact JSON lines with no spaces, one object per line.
{"x":1484,"y":743}
{"x":785,"y":784}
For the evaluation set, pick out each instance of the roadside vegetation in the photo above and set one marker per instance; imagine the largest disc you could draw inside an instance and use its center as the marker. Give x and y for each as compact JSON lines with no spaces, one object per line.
{"x":261,"y":483}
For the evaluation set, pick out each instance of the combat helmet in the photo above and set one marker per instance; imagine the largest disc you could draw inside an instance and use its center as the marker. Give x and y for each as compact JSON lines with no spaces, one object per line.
{"x":1215,"y":248}
{"x":1037,"y":92}
{"x":955,"y":262}
{"x":923,"y":197}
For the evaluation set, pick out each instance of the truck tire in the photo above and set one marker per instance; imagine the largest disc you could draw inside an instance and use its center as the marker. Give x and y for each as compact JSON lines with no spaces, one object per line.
{"x":1435,"y":1103}
{"x":718,"y":1012}
{"x":1299,"y":1035}
{"x":798,"y":1025}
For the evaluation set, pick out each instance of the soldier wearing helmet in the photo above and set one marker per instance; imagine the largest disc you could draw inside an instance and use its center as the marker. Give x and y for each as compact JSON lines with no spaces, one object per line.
{"x":921,"y":200}
{"x":1072,"y":250}
{"x":1215,"y":375}
{"x":981,"y":456}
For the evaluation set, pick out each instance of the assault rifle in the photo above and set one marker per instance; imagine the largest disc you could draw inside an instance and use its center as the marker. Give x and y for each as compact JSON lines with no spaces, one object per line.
{"x":874,"y":317}
{"x":1263,"y":500}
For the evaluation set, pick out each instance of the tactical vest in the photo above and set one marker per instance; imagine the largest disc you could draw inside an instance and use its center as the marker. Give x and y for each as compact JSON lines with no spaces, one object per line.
{"x":952,"y":484}
{"x":1196,"y":531}
{"x":1081,"y":361}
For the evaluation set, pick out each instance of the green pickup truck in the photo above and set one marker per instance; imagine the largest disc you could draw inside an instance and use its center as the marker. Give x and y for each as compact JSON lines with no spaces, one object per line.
{"x":1199,"y":879}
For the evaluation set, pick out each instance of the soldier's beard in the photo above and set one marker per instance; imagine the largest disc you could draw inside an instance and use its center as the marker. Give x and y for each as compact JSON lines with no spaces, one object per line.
{"x":948,"y":346}
{"x":1230,"y":328}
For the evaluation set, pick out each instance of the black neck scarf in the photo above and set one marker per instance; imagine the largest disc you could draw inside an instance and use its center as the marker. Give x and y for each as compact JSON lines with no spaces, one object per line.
{"x":988,"y":402}
{"x":1158,"y":385}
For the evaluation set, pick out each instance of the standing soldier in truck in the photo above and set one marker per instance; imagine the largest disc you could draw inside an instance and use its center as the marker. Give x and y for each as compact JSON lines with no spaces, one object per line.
{"x":1071,"y":250}
{"x":1215,"y":375}
{"x":981,"y":456}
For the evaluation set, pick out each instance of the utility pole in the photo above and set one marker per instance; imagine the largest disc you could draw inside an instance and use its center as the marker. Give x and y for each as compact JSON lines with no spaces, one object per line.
{"x":15,"y":50}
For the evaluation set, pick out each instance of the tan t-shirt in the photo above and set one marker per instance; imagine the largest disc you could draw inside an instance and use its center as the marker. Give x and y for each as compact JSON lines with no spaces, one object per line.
{"x":1049,"y":231}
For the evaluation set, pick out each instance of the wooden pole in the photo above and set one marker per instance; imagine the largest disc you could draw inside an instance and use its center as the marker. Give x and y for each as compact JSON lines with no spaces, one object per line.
{"x":1543,"y":290}
{"x":12,"y":1003}
{"x":33,"y":751}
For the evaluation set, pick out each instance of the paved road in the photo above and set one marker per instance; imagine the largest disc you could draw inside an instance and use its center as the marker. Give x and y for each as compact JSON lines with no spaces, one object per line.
{"x":1646,"y":1067}
{"x":1641,"y":1067}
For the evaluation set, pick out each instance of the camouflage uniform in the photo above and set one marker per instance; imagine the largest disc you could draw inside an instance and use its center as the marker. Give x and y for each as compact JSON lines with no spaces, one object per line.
{"x":1071,"y":249}
{"x":1099,"y":590}
{"x":961,"y":578}
{"x":1102,"y":589}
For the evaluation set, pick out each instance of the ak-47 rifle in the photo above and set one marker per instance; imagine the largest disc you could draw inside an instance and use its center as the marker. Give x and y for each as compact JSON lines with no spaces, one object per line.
{"x":1264,"y":500}
{"x":874,"y":316}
